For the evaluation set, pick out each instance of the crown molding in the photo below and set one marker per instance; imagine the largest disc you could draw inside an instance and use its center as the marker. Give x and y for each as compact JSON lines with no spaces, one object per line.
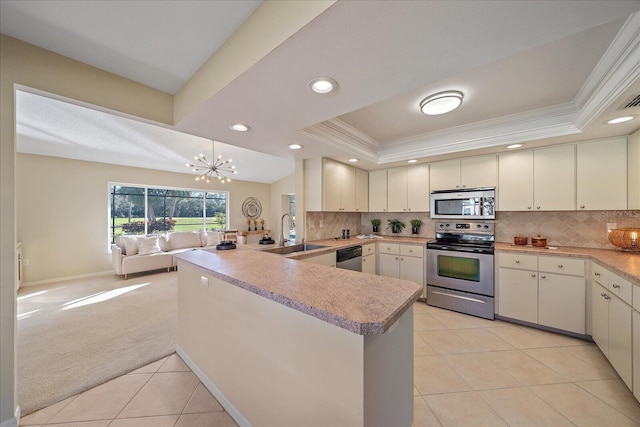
{"x":616,"y":71}
{"x":338,"y":134}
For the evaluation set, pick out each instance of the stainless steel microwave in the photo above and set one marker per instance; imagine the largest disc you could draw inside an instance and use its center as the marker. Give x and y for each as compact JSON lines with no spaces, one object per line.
{"x":472,"y":203}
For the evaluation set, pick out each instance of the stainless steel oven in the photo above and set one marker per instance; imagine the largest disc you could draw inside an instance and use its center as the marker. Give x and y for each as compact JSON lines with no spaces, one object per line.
{"x":460,"y":267}
{"x":467,"y":204}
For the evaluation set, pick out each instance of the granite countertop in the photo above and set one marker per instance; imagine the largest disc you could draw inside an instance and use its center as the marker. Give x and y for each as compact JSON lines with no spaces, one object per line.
{"x":626,"y":264}
{"x":364,"y":304}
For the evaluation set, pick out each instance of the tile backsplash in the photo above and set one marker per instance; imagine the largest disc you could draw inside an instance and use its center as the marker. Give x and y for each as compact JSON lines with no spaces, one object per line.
{"x":561,"y":228}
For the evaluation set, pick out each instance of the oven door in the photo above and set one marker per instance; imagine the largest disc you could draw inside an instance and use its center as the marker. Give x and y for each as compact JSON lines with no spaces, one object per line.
{"x":462,"y":271}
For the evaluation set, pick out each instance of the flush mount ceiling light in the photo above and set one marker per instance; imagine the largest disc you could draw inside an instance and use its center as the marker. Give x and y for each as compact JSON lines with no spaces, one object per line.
{"x":412,"y":161}
{"x":215,"y":168}
{"x":353,"y":160}
{"x":323,"y":85}
{"x":512,"y":146}
{"x":441,"y":102}
{"x":294,"y":146}
{"x":620,"y":120}
{"x":240,"y":127}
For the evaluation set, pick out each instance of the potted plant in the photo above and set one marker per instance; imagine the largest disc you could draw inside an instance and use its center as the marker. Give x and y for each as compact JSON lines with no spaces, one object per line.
{"x":395,"y":225}
{"x":375,"y":223}
{"x":415,"y":226}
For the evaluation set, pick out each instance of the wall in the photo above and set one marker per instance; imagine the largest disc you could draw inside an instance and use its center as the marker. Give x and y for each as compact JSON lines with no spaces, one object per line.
{"x":286,"y":185}
{"x":24,"y":64}
{"x":62,"y":220}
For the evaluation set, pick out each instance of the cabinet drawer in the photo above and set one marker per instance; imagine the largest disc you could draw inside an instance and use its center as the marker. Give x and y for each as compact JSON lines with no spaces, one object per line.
{"x":520,"y":261}
{"x":412,"y":250}
{"x":636,"y":305}
{"x":600,"y":274}
{"x":389,"y":248}
{"x":368,"y":249}
{"x":572,"y":266}
{"x":621,"y":287}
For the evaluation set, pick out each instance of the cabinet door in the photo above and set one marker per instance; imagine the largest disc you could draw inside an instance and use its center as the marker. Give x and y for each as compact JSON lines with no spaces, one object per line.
{"x":369,"y":264}
{"x":601,"y":171}
{"x":348,"y":188}
{"x":389,"y":265}
{"x":554,"y":178}
{"x":397,"y":183}
{"x":418,"y":188}
{"x":412,"y":269}
{"x":636,"y":354}
{"x":478,"y":172}
{"x":378,"y":191}
{"x":326,"y":259}
{"x":561,"y":302}
{"x":518,"y":294}
{"x":331,"y":188}
{"x":515,"y":181}
{"x":600,"y":317}
{"x":362,"y":190}
{"x":444,"y":175}
{"x":620,"y":343}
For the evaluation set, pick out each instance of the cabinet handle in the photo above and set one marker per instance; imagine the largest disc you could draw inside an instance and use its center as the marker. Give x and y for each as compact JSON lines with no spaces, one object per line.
{"x":528,"y":207}
{"x":543,"y":276}
{"x":615,"y":285}
{"x":410,"y":251}
{"x":581,"y":206}
{"x":457,"y":186}
{"x":606,"y":296}
{"x":533,"y":275}
{"x":517,"y":261}
{"x":537,"y":207}
{"x":364,"y":260}
{"x":396,"y":258}
{"x":401,"y":259}
{"x":596,"y":274}
{"x":560,"y":265}
{"x":603,"y":294}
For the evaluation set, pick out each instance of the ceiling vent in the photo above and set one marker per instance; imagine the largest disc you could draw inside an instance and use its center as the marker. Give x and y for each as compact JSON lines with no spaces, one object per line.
{"x":631,"y":103}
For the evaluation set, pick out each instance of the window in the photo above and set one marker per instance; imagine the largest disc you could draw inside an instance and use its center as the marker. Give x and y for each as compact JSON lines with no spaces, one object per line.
{"x":149,"y":210}
{"x":292,"y":212}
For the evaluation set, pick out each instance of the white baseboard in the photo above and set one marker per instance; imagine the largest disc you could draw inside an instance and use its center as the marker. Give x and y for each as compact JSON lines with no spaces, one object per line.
{"x":226,"y":404}
{"x":61,"y":279}
{"x":13,"y":422}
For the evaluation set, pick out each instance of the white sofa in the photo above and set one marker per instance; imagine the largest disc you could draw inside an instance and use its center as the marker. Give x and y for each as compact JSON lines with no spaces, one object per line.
{"x":137,"y":253}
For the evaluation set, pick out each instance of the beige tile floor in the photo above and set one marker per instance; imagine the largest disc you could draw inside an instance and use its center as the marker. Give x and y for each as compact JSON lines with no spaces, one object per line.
{"x":468,"y":372}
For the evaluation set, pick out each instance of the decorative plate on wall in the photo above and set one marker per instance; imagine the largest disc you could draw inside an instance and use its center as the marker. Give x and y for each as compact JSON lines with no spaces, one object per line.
{"x":251,"y":208}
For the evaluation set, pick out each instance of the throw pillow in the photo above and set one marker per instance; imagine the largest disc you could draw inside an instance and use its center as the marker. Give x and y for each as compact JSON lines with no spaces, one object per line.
{"x":130,"y":245}
{"x":148,"y":245}
{"x":185,"y":239}
{"x":163,"y":241}
{"x":213,"y":239}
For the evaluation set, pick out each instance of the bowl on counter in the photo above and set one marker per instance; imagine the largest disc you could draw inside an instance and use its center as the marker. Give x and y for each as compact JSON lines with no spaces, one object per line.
{"x":520,"y":240}
{"x":539,"y":241}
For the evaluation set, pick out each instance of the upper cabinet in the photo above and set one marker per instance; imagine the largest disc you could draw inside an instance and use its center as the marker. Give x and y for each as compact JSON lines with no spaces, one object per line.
{"x":334,"y":186}
{"x":410,"y":188}
{"x":542,"y":179}
{"x":470,"y":172}
{"x":633,"y":170}
{"x":378,"y":191}
{"x":601,"y":175}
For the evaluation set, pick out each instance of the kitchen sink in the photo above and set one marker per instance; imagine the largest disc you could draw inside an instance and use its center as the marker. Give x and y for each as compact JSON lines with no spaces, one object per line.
{"x":301,"y":247}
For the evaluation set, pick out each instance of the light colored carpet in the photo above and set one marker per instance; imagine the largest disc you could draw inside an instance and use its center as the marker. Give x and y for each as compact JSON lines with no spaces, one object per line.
{"x":74,"y":335}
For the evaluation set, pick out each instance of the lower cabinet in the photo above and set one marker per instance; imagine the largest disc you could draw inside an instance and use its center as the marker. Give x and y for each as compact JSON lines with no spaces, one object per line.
{"x":325,"y":259}
{"x":369,"y":264}
{"x":636,"y":352}
{"x":402,"y":261}
{"x":548,"y":291}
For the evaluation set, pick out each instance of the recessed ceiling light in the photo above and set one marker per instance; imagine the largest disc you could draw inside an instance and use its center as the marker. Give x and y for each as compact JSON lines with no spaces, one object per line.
{"x":240,"y":127}
{"x":441,"y":102}
{"x":620,"y":120}
{"x":412,"y":161}
{"x":353,"y":160}
{"x":294,"y":146}
{"x":514,"y":146}
{"x":323,"y":85}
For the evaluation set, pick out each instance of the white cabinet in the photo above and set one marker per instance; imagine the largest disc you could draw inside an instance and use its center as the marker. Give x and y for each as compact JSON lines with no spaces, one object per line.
{"x":362,"y":190}
{"x":369,"y":258}
{"x":470,"y":172}
{"x":636,"y":352}
{"x":378,"y":191}
{"x":324,"y":259}
{"x":601,"y":175}
{"x":402,"y":261}
{"x":546,"y":290}
{"x":543,"y":179}
{"x":339,"y":186}
{"x":408,"y":188}
{"x":633,"y":169}
{"x":612,"y":322}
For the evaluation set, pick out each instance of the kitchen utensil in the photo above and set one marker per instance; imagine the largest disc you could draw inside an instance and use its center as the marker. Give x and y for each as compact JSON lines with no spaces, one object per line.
{"x":520,"y":240}
{"x":539,"y":241}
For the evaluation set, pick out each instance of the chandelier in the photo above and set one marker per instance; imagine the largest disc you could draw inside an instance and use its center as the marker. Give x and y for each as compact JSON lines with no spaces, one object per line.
{"x":215,"y":168}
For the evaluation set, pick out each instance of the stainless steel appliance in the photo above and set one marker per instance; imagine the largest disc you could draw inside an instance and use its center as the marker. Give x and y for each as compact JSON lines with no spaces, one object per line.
{"x":460,"y":269}
{"x":349,"y":258}
{"x":471,"y":203}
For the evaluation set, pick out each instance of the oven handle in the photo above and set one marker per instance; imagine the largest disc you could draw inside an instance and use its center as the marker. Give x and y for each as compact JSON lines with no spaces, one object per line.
{"x":459,"y":297}
{"x":460,"y":249}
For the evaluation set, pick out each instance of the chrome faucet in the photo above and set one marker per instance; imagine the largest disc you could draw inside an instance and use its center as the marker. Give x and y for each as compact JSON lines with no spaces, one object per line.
{"x":282,"y":240}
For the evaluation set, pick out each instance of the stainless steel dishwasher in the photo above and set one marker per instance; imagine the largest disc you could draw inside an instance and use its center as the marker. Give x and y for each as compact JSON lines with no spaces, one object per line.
{"x":349,"y":258}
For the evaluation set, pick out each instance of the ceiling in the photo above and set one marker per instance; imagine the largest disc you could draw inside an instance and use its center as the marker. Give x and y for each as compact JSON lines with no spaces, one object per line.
{"x":536,"y":72}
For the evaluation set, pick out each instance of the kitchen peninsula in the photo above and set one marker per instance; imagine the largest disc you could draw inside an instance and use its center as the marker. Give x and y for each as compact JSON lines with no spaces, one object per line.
{"x":284,"y":342}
